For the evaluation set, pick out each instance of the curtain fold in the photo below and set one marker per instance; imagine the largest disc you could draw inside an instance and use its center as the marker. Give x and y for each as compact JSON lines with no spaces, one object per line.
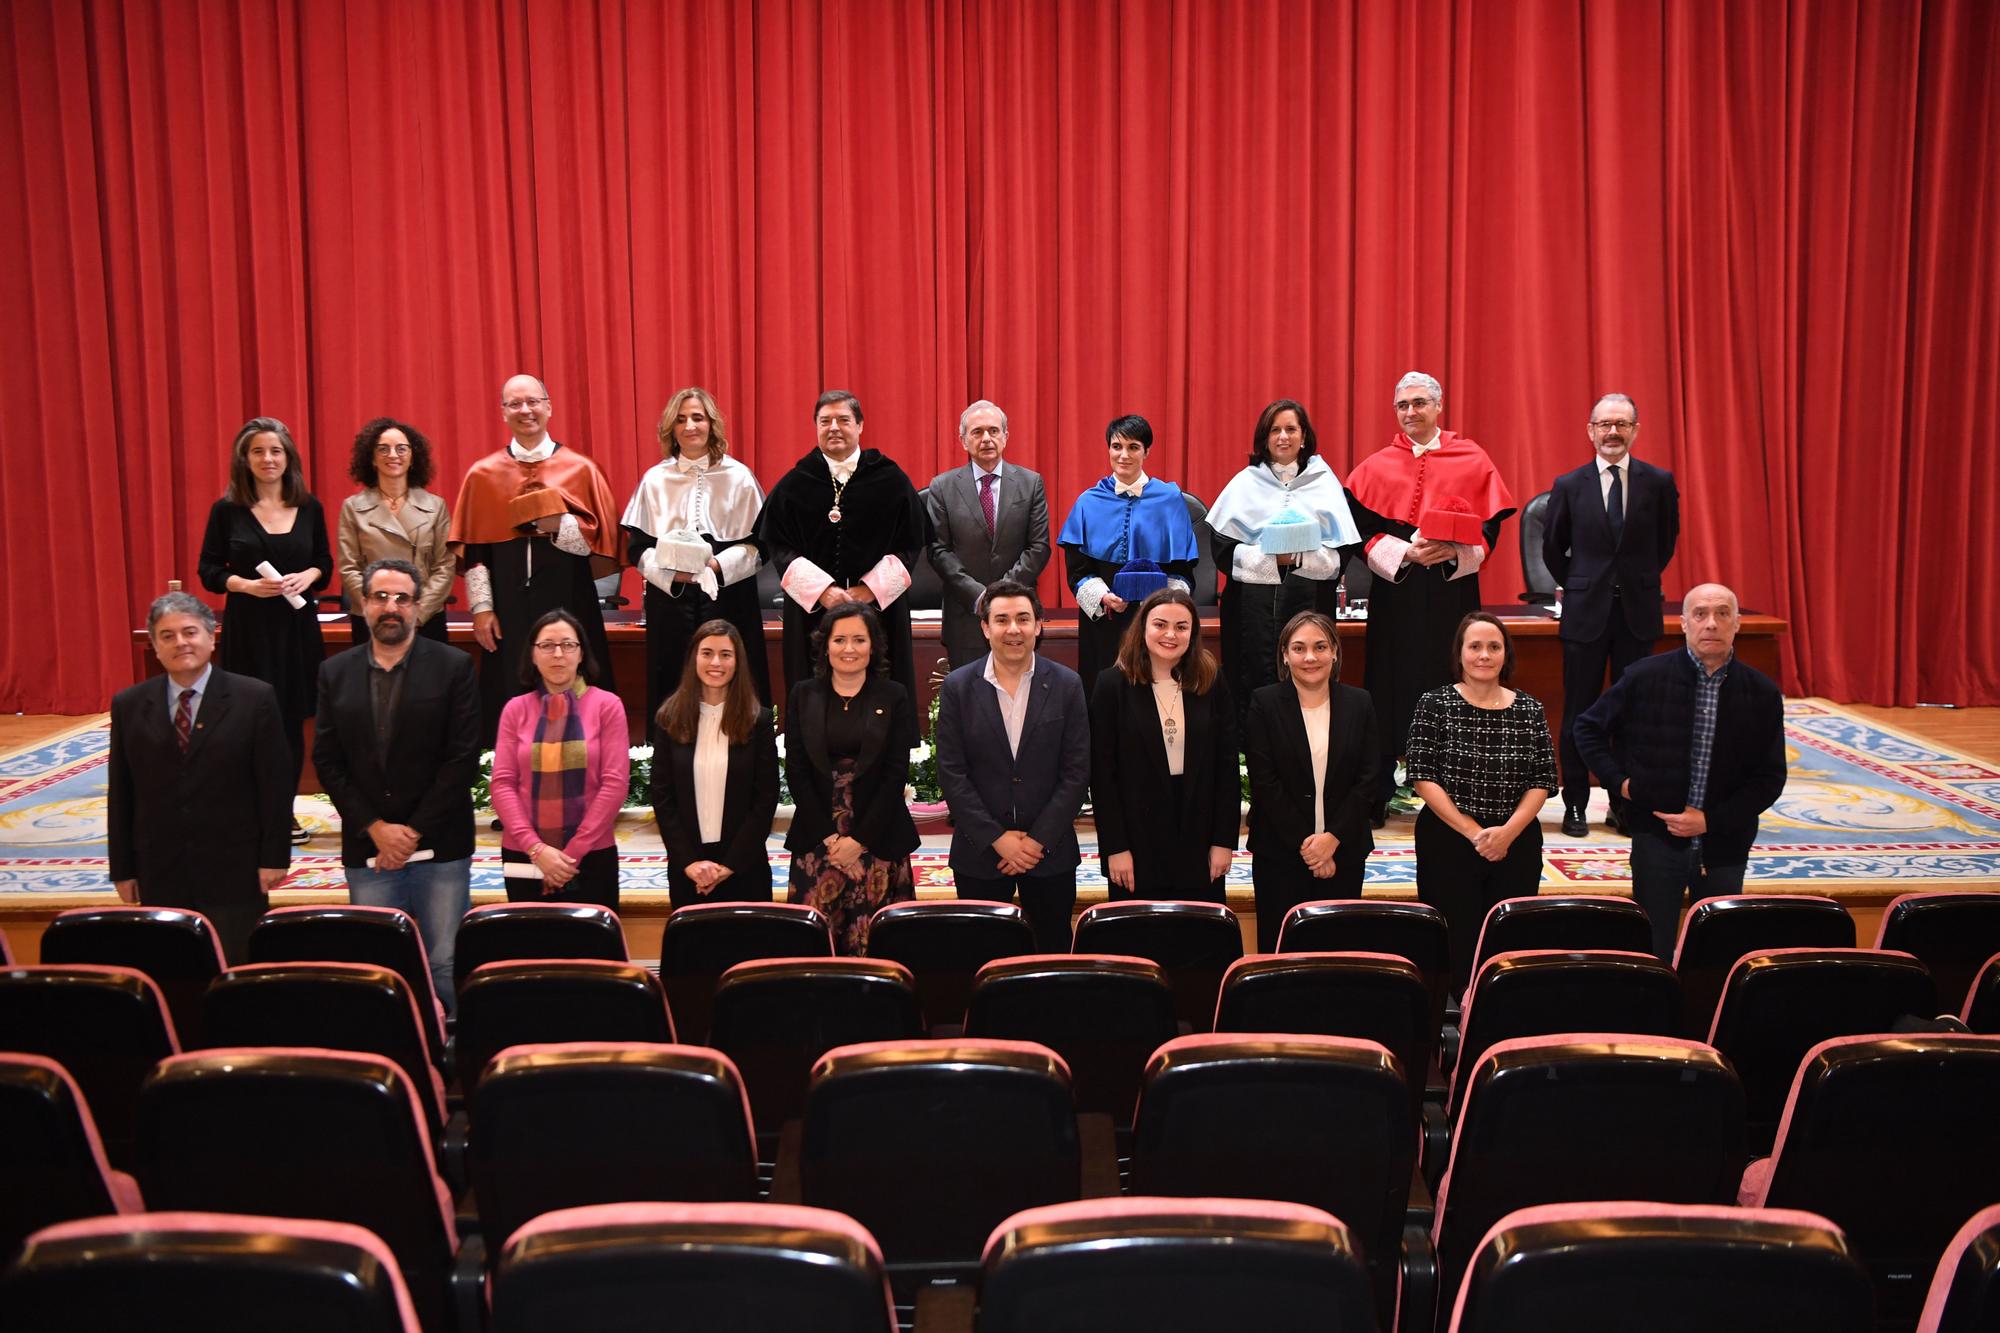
{"x":1774,"y":225}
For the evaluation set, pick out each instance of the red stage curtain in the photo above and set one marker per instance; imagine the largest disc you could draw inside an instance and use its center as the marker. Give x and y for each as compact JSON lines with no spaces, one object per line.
{"x":1773,"y":224}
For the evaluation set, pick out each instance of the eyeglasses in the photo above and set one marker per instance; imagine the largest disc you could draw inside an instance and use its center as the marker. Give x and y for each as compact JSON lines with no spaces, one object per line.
{"x":1616,"y":423}
{"x":391,"y":598}
{"x":562,"y":647}
{"x":516,"y":404}
{"x":392,"y":448}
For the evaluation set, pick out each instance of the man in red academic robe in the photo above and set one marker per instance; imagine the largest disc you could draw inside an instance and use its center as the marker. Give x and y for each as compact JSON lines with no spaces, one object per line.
{"x":535,"y":526}
{"x":1423,"y":583}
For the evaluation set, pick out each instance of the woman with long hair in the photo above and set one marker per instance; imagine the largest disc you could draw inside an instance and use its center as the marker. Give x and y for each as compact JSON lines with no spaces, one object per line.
{"x":1310,"y":750}
{"x":1163,"y":759}
{"x":715,"y":775}
{"x":265,"y":547}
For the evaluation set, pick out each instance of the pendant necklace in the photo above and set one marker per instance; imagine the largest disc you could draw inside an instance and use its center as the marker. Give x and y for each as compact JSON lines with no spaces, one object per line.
{"x":833,"y":514}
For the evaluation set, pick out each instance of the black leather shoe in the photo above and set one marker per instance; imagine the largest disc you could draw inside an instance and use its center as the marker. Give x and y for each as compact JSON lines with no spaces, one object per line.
{"x":1574,"y":824}
{"x":1614,"y":818}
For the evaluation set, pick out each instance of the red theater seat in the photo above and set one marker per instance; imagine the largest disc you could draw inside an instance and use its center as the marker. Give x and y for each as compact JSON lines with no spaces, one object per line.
{"x":1174,"y":1266}
{"x":703,"y":940}
{"x":1965,"y":1293}
{"x":1895,"y":1140}
{"x":498,"y":932}
{"x":944,"y":944}
{"x":529,"y":1001}
{"x":227,"y":1273}
{"x":177,"y":948}
{"x":576,"y":1123}
{"x":56,"y":1169}
{"x":1584,"y":1117}
{"x":1103,"y":1014}
{"x":1718,"y":931}
{"x":107,"y":1026}
{"x":379,"y":936}
{"x":1659,"y":1268}
{"x":747,"y":1268}
{"x":1562,"y":921}
{"x":1194,"y":941}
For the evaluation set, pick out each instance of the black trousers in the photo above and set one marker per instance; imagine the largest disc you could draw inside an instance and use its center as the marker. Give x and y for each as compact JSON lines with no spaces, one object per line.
{"x":1463,"y":885}
{"x":1584,"y":663}
{"x":596,"y":881}
{"x":1046,"y":900}
{"x":740,"y":887}
{"x":1281,"y":882}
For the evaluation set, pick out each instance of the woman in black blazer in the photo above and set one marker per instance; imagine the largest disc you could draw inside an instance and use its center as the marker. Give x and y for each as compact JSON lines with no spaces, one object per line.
{"x":1163,"y":833}
{"x":1310,"y":750}
{"x":848,"y":733}
{"x":715,"y":763}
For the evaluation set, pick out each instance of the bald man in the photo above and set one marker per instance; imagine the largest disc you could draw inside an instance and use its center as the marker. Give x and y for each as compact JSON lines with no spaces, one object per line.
{"x":535,"y":526}
{"x":1694,"y":740}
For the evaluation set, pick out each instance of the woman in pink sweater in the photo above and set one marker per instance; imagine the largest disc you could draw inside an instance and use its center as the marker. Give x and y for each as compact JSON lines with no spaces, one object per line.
{"x":561,"y":769}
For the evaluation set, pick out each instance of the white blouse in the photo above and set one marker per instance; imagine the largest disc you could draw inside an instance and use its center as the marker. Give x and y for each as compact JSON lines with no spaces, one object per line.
{"x":1319,"y":729}
{"x":1173,"y":724}
{"x":711,"y":772}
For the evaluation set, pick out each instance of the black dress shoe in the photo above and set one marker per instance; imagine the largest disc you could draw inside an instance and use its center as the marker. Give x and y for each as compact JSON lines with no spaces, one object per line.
{"x":1379,"y":816}
{"x":1574,"y":824}
{"x":1614,"y":818}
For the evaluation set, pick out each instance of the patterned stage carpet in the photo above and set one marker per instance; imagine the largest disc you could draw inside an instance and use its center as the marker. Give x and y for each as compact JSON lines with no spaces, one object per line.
{"x":1865,"y":805}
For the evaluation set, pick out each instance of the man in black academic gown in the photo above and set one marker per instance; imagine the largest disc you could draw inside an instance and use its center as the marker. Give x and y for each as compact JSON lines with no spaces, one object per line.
{"x":843,"y":525}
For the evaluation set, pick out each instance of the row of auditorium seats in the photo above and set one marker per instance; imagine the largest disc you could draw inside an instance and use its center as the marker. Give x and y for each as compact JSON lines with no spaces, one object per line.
{"x":1166,"y":1264}
{"x":1105,"y":1014}
{"x":1954,"y":935}
{"x":1171,"y":1261}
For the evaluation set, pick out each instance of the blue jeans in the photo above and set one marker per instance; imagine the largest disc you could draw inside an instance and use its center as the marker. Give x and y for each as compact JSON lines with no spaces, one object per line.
{"x":1662,"y":866}
{"x":437,"y":894}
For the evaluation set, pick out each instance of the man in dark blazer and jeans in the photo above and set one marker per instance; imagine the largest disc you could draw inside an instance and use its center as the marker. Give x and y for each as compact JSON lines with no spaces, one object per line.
{"x":200,"y":788}
{"x":396,"y":743}
{"x":1013,"y":757}
{"x":1695,"y":742}
{"x":1612,"y":526}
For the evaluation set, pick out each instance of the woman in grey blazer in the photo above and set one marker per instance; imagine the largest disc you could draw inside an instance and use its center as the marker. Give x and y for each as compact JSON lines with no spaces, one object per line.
{"x":394,"y":518}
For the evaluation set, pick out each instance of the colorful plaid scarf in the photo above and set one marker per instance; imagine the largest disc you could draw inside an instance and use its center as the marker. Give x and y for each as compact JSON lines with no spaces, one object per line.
{"x":558,"y":760}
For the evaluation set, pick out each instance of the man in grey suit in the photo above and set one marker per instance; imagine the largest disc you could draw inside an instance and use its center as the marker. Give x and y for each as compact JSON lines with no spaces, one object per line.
{"x":989,"y":521}
{"x":1013,"y":757}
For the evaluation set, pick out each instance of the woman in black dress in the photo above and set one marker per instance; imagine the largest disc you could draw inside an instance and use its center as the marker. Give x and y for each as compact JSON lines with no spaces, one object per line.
{"x":715,"y":775}
{"x":1480,"y":757}
{"x":1310,"y":751}
{"x":268,"y":520}
{"x":1163,"y":779}
{"x":848,"y":733}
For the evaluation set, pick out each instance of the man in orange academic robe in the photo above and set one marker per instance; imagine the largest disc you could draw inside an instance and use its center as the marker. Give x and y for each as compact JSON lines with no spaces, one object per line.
{"x":535,"y":526}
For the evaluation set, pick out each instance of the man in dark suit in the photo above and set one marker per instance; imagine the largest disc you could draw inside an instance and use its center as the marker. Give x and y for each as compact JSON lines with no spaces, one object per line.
{"x":1013,"y":757}
{"x":1695,"y":743}
{"x":200,"y":801}
{"x":397,"y":746}
{"x":1612,"y":525}
{"x":988,"y":522}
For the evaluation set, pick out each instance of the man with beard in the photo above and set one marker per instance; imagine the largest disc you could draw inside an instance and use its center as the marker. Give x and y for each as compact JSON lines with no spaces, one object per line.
{"x":200,"y":799}
{"x":844,"y":525}
{"x":397,"y":747}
